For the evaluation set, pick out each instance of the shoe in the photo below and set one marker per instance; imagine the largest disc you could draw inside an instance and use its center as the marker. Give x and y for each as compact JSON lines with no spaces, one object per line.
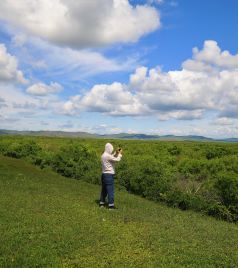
{"x":112,"y":208}
{"x":102,"y":205}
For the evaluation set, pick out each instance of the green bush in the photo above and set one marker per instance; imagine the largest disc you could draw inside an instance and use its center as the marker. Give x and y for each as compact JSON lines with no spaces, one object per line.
{"x":4,"y":145}
{"x":24,"y":148}
{"x":234,"y":212}
{"x":220,"y":212}
{"x":43,"y":159}
{"x":227,"y":188}
{"x":193,"y":169}
{"x":174,"y":150}
{"x":216,"y":151}
{"x":77,"y":161}
{"x":184,"y":201}
{"x":230,"y":163}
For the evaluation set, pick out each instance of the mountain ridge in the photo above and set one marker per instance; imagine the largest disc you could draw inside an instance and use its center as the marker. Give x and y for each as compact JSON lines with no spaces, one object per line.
{"x":129,"y":136}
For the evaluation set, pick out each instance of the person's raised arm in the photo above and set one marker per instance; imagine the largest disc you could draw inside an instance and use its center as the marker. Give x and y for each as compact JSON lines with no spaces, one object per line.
{"x":117,"y":156}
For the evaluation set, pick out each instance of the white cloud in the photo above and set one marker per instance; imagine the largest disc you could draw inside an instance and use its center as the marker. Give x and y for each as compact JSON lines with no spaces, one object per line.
{"x":180,"y":115}
{"x":71,"y":64}
{"x":84,"y":62}
{"x":186,"y":94}
{"x":19,"y":104}
{"x":9,"y":67}
{"x":105,"y":129}
{"x":19,"y":40}
{"x":211,"y":56}
{"x":204,"y":128}
{"x":81,"y":23}
{"x":223,"y":121}
{"x":2,"y":103}
{"x":41,"y":89}
{"x":112,"y":99}
{"x":71,"y":106}
{"x":15,"y":102}
{"x":208,"y":82}
{"x":158,"y":2}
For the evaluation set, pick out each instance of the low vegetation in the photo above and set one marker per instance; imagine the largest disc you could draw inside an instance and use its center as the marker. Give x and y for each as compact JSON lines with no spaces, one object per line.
{"x":51,"y":221}
{"x":188,"y":175}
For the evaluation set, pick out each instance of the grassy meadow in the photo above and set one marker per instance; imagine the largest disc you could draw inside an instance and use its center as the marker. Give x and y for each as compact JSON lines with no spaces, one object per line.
{"x":51,"y":221}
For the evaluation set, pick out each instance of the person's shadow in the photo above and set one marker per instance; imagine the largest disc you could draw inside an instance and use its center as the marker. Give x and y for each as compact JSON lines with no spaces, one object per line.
{"x":96,"y":201}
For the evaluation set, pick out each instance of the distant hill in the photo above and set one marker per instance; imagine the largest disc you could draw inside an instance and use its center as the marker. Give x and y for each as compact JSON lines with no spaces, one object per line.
{"x":132,"y":136}
{"x":136,"y":136}
{"x":189,"y":137}
{"x":48,"y":133}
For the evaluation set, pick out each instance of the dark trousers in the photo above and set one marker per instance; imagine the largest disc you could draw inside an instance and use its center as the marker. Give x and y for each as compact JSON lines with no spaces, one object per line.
{"x":107,"y":188}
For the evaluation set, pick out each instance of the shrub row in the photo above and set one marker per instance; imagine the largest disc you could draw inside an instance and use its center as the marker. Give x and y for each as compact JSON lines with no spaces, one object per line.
{"x":167,"y":172}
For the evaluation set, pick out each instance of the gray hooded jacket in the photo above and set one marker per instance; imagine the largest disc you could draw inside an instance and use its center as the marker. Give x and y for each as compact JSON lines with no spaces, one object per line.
{"x":108,"y":159}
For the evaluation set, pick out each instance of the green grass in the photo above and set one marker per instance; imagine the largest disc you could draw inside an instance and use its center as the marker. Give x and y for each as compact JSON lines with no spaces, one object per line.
{"x":50,"y":221}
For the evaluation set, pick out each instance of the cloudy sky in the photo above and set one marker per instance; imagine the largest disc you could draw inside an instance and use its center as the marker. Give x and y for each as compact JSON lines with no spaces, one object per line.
{"x":110,"y":66}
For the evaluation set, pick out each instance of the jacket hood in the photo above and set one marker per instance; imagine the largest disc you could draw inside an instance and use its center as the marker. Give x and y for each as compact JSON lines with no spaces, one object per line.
{"x":108,"y":148}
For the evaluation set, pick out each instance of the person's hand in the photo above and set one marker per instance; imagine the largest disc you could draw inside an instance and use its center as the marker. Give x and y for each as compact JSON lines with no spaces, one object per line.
{"x":119,"y":150}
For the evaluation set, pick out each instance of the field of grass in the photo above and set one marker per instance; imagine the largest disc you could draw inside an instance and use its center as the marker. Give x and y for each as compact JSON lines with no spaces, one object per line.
{"x":49,"y":221}
{"x":198,"y":176}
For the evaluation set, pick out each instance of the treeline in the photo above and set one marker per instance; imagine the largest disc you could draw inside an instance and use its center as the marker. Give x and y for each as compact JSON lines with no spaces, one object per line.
{"x":188,"y":175}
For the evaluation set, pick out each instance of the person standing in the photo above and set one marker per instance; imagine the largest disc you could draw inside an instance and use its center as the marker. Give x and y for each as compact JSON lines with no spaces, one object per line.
{"x":108,"y":160}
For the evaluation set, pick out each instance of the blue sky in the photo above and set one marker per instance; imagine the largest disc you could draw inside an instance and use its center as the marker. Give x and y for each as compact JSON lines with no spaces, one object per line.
{"x":111,"y":66}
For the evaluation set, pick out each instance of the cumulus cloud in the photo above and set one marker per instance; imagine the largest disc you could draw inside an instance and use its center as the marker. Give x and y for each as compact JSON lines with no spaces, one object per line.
{"x":101,"y":99}
{"x":114,"y":99}
{"x":81,"y":23}
{"x":9,"y":67}
{"x":207,"y":82}
{"x":211,"y":56}
{"x":71,"y":106}
{"x":41,"y":89}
